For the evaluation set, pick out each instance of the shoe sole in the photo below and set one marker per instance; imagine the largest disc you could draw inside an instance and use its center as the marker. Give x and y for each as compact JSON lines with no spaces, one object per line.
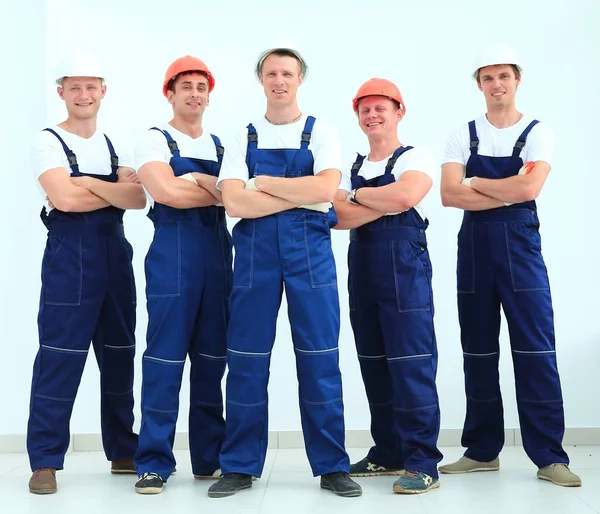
{"x":379,"y":474}
{"x":345,"y":494}
{"x":207,"y":477}
{"x":563,"y":484}
{"x":123,"y":471}
{"x":400,"y":490}
{"x":42,"y":491}
{"x":463,"y":471}
{"x":148,"y":490}
{"x":219,"y":494}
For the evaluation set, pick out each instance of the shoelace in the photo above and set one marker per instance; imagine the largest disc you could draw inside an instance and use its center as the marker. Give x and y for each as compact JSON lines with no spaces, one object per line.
{"x":150,"y":475}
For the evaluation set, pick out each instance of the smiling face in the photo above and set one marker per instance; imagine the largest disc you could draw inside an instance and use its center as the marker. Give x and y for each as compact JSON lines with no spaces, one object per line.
{"x":378,"y":116}
{"x":188,"y":94}
{"x":82,"y":96}
{"x":499,"y":85}
{"x":281,"y":76}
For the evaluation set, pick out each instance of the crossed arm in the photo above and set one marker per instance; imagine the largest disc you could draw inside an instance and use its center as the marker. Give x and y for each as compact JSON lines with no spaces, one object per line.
{"x":486,"y":193}
{"x":276,"y":194}
{"x":86,"y":194}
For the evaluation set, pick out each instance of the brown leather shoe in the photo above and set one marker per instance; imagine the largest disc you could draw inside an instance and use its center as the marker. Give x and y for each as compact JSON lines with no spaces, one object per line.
{"x":123,"y":466}
{"x":43,"y":481}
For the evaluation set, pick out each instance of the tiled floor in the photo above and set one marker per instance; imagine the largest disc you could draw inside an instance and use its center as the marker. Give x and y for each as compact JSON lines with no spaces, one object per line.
{"x":287,"y":487}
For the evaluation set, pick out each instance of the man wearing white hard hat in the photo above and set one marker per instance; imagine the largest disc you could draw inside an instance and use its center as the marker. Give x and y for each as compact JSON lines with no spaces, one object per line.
{"x":494,"y":169}
{"x":88,"y":289}
{"x":280,"y":175}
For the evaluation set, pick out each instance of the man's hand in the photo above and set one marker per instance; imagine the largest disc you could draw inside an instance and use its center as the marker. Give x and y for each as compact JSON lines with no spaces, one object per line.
{"x":129,"y":176}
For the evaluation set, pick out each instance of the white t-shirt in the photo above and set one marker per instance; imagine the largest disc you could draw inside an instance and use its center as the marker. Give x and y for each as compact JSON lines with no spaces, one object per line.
{"x":324,"y":145}
{"x":495,"y":142}
{"x":418,"y":158}
{"x":153,"y":147}
{"x":92,"y":154}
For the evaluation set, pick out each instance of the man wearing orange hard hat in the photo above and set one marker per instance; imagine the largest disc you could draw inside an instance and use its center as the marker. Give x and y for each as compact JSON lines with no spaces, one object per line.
{"x":494,"y":168}
{"x":188,"y":279}
{"x":391,"y":300}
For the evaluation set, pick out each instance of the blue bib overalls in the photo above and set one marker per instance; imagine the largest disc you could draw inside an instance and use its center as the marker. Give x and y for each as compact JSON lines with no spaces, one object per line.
{"x":188,"y":279}
{"x":291,"y":249}
{"x":88,"y":294}
{"x":500,"y":264}
{"x":391,"y":312}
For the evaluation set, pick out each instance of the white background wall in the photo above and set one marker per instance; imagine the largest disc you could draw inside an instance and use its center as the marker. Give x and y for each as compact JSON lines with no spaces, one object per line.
{"x":426,"y":47}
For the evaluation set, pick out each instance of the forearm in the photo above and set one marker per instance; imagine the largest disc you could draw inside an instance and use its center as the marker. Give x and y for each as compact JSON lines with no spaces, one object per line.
{"x":383,"y":199}
{"x":183,"y":194}
{"x":209,"y":183}
{"x":466,"y":198}
{"x":298,"y":191}
{"x":122,"y":195}
{"x":250,"y":204}
{"x":351,"y":215}
{"x":515,"y":189}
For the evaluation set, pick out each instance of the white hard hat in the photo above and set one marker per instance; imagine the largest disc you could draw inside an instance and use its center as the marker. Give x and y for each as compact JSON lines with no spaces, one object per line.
{"x":286,"y":46}
{"x":79,"y":66}
{"x":496,"y":54}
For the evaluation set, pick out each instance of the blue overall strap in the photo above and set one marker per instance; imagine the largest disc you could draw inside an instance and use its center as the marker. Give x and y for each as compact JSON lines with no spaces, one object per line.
{"x":523,"y":138}
{"x":174,"y":149}
{"x":72,"y":158}
{"x":474,"y":140}
{"x":252,"y":144}
{"x":220,"y":149}
{"x":357,"y":165}
{"x":389,"y":167}
{"x":114,"y":158}
{"x":307,"y":132}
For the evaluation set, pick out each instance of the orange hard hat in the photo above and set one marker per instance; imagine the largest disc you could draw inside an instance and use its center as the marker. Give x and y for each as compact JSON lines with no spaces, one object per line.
{"x":378,"y":87}
{"x":187,"y":63}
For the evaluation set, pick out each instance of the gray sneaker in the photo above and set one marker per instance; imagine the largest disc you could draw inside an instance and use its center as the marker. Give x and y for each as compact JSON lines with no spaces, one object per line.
{"x":229,"y":484}
{"x":466,"y":465}
{"x":366,"y":468}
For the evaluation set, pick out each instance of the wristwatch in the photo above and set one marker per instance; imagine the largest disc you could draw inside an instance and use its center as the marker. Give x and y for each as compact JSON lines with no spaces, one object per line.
{"x":352,"y":197}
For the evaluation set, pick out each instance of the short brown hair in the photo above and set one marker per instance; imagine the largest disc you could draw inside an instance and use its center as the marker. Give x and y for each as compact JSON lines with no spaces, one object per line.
{"x":515,"y":68}
{"x":171,"y":84}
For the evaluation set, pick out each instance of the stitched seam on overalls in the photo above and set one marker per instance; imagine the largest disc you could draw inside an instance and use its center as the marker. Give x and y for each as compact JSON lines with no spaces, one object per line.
{"x":510,"y":267}
{"x":310,"y":272}
{"x":161,"y":411}
{"x":67,"y":350}
{"x":212,"y":357}
{"x":249,"y":354}
{"x":322,"y":403}
{"x":309,"y":352}
{"x":250,"y":278}
{"x":43,"y":396}
{"x":124,"y":393}
{"x":479,"y":355}
{"x":231,"y":402}
{"x":395,"y":272}
{"x":541,"y":352}
{"x":164,"y":361}
{"x":429,"y":290}
{"x":78,"y":302}
{"x":371,"y":356}
{"x":487,"y":400}
{"x":410,"y":357}
{"x":416,"y":409}
{"x":119,"y":347}
{"x":472,"y":290}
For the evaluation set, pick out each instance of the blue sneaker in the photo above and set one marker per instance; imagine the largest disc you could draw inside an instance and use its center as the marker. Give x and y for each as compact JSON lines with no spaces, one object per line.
{"x":415,"y":482}
{"x":366,"y":468}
